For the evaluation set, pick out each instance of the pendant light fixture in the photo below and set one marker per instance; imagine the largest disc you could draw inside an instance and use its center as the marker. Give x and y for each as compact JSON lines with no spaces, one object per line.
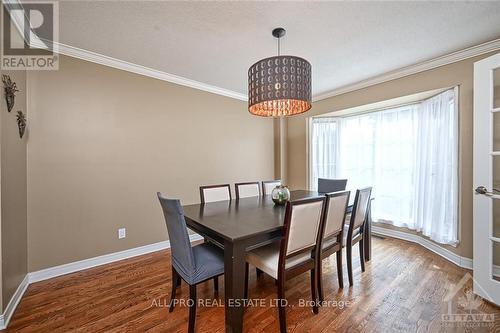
{"x":279,"y":86}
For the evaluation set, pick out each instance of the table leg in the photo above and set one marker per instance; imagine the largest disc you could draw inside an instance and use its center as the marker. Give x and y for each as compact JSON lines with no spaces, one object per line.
{"x":367,"y":237}
{"x":234,"y":284}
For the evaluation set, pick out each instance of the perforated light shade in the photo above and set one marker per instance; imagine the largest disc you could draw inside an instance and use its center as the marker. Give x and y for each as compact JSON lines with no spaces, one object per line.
{"x":279,"y":86}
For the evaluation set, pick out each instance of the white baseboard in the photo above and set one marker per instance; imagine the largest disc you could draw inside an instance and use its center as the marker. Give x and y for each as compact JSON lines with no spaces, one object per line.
{"x":76,"y":266}
{"x":447,"y":254}
{"x":14,"y":301}
{"x":463,"y":262}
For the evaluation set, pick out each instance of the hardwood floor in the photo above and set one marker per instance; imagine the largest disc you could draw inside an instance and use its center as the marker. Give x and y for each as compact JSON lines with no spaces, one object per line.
{"x":402,"y":290}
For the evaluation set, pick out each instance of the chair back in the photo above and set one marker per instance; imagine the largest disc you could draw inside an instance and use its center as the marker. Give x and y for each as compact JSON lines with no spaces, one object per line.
{"x":360,"y":208}
{"x":303,"y":220}
{"x":245,"y":190}
{"x":326,"y":185}
{"x":212,"y":193}
{"x":335,"y":213}
{"x":180,"y":246}
{"x":269,"y":185}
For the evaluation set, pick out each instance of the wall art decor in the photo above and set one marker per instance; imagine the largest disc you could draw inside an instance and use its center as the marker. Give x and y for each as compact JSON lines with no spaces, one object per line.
{"x":10,"y":90}
{"x":21,"y":123}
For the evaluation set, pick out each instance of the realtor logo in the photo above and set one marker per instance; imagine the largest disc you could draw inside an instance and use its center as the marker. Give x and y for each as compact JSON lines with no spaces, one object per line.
{"x":464,"y":308}
{"x":30,"y":32}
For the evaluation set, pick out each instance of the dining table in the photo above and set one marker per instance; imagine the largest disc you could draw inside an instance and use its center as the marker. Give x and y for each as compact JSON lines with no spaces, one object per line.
{"x":240,"y":225}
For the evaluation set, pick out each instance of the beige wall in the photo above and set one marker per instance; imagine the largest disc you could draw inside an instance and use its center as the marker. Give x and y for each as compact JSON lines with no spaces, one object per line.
{"x":103,"y":141}
{"x":460,"y":73}
{"x":13,"y":191}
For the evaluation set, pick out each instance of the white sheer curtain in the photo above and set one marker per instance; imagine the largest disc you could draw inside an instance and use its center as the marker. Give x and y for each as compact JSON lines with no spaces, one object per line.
{"x":435,"y":208}
{"x":377,"y":150}
{"x":323,"y":154}
{"x":408,"y":154}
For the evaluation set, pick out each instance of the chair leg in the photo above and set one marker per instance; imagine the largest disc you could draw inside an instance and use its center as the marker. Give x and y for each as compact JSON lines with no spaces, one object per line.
{"x":192,"y":308}
{"x":258,"y":272}
{"x":340,"y":274}
{"x":349,"y":264}
{"x":175,"y":279}
{"x":281,"y":305}
{"x":246,"y":280}
{"x":320,"y":281}
{"x":216,"y":286}
{"x":362,"y":254}
{"x":313,"y":291}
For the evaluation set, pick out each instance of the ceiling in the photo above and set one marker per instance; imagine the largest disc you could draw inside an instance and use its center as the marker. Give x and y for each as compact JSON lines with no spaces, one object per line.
{"x":215,"y":42}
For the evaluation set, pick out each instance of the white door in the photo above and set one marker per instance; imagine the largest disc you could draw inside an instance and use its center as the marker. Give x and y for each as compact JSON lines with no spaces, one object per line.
{"x":487,"y":178}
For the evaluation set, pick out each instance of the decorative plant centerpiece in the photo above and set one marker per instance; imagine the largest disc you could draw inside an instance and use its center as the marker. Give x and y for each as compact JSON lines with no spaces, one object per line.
{"x":280,"y":195}
{"x":10,"y":90}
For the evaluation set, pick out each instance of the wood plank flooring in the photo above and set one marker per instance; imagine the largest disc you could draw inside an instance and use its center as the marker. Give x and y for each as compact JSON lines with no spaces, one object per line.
{"x":403,"y":290}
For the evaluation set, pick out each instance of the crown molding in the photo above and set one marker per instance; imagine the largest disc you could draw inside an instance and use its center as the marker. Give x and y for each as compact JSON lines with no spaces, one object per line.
{"x":447,"y":59}
{"x":146,"y":71}
{"x":97,"y":58}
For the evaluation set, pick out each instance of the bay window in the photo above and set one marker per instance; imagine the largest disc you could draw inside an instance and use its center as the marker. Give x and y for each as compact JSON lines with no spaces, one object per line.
{"x":408,"y":154}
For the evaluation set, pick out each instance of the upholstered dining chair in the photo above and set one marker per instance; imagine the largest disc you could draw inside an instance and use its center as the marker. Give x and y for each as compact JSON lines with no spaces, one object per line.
{"x":269,"y":185}
{"x":212,"y":193}
{"x":333,"y":234}
{"x":296,"y":253}
{"x":326,"y":185}
{"x":195,"y":264}
{"x":355,"y":229}
{"x":245,"y":190}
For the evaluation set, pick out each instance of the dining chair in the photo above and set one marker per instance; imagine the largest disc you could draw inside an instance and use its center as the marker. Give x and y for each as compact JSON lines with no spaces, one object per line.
{"x":356,"y":228}
{"x":269,"y":185}
{"x":245,"y":190}
{"x":295,"y":254}
{"x":333,"y":234}
{"x":212,"y":193}
{"x":326,"y":185}
{"x":193,"y":264}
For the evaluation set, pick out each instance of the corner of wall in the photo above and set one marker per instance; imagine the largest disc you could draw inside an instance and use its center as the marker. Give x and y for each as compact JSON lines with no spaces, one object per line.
{"x":13,"y":196}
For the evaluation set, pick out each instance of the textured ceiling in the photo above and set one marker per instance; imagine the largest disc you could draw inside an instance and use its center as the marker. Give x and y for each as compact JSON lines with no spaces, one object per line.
{"x":216,"y":42}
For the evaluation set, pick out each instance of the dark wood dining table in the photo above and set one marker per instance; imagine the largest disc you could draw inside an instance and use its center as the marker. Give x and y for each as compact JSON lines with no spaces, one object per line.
{"x":242,"y":225}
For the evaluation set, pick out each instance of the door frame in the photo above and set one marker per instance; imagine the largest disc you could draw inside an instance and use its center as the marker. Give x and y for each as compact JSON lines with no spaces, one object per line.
{"x":484,"y":285}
